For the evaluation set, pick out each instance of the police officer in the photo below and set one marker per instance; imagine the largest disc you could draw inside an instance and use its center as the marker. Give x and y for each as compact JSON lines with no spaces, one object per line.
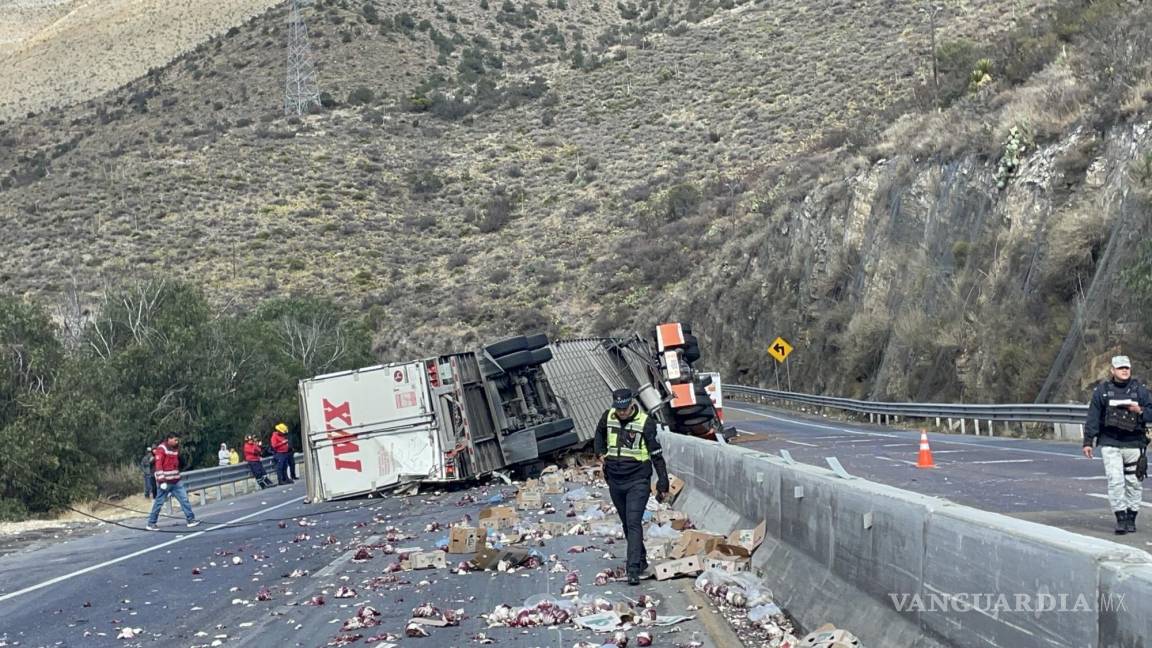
{"x":626,"y":441}
{"x":1119,"y":410}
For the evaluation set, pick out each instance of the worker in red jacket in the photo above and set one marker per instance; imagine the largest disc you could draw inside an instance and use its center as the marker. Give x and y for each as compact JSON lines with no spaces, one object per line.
{"x":283,"y":452}
{"x":166,"y":466}
{"x":254,"y":455}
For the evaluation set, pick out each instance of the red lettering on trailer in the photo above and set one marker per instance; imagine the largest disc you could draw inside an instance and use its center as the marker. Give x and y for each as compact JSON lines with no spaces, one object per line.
{"x":342,"y":442}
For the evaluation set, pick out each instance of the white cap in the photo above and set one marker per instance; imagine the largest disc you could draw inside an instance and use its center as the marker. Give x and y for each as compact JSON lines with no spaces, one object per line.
{"x":1121,"y":361}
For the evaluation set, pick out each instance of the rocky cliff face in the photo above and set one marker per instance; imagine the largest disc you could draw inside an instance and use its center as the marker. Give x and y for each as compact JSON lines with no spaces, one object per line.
{"x":917,"y":278}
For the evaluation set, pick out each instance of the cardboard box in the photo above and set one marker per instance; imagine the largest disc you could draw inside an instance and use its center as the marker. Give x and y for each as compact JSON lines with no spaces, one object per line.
{"x":658,"y":550}
{"x":553,"y":483}
{"x":554,"y":489}
{"x":556,"y":529}
{"x":530,"y":500}
{"x":730,"y":564}
{"x":497,"y":517}
{"x":675,"y":485}
{"x":689,"y":566}
{"x":532,"y":486}
{"x":466,"y":539}
{"x":489,"y":557}
{"x":425,"y":560}
{"x":584,"y":505}
{"x":693,"y":543}
{"x":748,"y":538}
{"x":674,"y":519}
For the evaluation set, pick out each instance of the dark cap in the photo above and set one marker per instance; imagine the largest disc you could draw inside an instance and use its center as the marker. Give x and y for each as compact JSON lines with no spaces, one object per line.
{"x":621,"y":398}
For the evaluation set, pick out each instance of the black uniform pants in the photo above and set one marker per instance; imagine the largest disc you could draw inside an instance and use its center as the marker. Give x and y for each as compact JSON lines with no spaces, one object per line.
{"x":630,"y":500}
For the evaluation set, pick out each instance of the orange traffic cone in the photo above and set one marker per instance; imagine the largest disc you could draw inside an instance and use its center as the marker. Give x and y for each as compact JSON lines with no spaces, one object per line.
{"x":925,"y":459}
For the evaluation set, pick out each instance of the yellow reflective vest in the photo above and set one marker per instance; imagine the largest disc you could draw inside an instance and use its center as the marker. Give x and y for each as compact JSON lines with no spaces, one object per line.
{"x":638,"y":450}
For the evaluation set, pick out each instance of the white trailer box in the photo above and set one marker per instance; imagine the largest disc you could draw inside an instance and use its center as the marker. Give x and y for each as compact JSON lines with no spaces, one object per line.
{"x":368,"y":429}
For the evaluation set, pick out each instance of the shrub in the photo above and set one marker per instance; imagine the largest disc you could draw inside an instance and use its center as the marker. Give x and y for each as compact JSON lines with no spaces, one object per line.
{"x":361,"y":96}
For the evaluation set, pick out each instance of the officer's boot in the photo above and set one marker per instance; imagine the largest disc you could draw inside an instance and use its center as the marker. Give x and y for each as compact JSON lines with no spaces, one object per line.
{"x":1121,"y":522}
{"x":1131,"y":521}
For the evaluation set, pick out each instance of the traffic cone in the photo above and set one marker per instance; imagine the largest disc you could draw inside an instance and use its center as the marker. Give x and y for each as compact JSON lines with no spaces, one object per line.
{"x":925,"y":459}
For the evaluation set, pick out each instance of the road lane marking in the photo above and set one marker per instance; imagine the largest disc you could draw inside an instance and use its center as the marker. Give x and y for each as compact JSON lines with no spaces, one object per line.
{"x":815,"y":425}
{"x":810,"y":445}
{"x":1101,"y":477}
{"x":60,"y":579}
{"x":936,"y":438}
{"x":1096,"y":495}
{"x":1000,"y":461}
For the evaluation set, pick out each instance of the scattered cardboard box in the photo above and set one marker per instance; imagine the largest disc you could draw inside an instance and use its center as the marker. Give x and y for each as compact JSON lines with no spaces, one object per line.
{"x":730,"y":564}
{"x":583,"y":505}
{"x":530,"y":500}
{"x":425,"y":560}
{"x":694,"y":542}
{"x":689,"y":566}
{"x":658,"y":550}
{"x":555,"y":529}
{"x":675,"y":485}
{"x":497,"y":517}
{"x":553,"y":483}
{"x":675,"y":519}
{"x":466,"y":539}
{"x":749,"y":538}
{"x":490,"y":557}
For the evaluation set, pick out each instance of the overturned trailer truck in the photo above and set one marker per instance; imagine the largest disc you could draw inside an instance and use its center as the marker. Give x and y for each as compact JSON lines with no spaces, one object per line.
{"x":461,"y":416}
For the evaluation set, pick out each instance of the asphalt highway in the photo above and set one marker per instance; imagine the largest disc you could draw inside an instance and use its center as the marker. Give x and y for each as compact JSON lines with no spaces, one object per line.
{"x":1043,"y":481}
{"x":200,"y":587}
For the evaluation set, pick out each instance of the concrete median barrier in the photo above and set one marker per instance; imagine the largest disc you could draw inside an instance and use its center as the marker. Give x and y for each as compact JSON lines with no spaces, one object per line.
{"x":905,"y":570}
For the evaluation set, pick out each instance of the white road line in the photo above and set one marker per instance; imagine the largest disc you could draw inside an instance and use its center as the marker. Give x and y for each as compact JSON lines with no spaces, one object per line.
{"x":1096,"y":495}
{"x":60,"y":579}
{"x":936,"y":452}
{"x":815,"y":425}
{"x":810,"y":445}
{"x":896,"y":445}
{"x":1000,"y":461}
{"x":1100,"y":477}
{"x":935,"y":439}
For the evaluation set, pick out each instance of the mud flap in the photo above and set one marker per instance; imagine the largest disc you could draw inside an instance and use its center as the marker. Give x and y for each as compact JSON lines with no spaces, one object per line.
{"x":519,"y":446}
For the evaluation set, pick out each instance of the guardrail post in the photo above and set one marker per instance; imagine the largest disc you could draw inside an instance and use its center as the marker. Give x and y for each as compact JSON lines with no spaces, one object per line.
{"x":991,"y":430}
{"x":233,"y":485}
{"x":219,"y":493}
{"x":937,"y":421}
{"x":976,"y":424}
{"x":203,"y":496}
{"x":963,"y":426}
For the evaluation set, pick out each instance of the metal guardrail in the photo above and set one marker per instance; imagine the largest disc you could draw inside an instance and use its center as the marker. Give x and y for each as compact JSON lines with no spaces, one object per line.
{"x":1034,"y":413}
{"x":202,"y":478}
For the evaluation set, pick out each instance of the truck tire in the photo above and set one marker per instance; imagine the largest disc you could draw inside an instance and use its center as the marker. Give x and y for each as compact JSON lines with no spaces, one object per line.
{"x":691,"y":410}
{"x":553,"y":428}
{"x":559,"y":442}
{"x":538,"y":341}
{"x":508,"y":346}
{"x":695,"y":420}
{"x":540,"y":356}
{"x":515,"y":360}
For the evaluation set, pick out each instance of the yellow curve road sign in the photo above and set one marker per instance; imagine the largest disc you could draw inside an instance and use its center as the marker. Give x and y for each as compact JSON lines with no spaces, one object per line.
{"x":779,"y":349}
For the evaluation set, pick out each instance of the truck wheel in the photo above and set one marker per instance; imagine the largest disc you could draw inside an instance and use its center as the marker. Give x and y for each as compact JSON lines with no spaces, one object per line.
{"x":538,"y":341}
{"x":695,"y":420}
{"x":553,"y":428}
{"x":691,"y":410}
{"x":540,"y":356}
{"x":505,"y":347}
{"x":515,"y":360}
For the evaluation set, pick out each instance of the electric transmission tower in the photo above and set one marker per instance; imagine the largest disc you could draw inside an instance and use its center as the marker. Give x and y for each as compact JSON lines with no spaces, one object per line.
{"x":300,"y":91}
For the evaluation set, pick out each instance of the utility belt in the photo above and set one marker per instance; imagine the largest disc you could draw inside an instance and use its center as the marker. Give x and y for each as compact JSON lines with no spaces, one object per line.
{"x":1138,"y":467}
